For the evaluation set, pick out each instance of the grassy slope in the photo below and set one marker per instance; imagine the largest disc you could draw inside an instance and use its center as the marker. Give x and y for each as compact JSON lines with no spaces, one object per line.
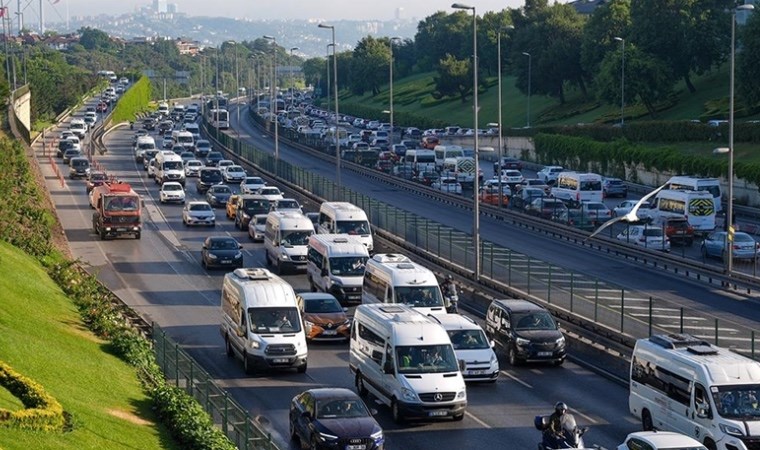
{"x":42,"y":337}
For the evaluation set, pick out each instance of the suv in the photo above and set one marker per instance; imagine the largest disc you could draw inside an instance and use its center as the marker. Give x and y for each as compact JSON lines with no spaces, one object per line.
{"x":525,"y":331}
{"x":677,"y":229}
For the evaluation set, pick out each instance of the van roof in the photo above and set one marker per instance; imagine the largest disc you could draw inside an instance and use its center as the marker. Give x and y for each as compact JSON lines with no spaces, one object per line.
{"x":455,"y":322}
{"x":338,"y":244}
{"x":261,"y":287}
{"x":403,"y":323}
{"x":401,"y":270}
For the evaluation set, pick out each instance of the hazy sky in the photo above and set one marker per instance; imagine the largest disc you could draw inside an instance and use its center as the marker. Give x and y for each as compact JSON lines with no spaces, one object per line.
{"x":278,"y":9}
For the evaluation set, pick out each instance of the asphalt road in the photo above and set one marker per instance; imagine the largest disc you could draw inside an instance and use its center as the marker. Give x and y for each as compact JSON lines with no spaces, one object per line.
{"x":161,"y":277}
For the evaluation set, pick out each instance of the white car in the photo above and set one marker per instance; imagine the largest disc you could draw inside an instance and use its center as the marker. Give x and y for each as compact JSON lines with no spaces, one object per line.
{"x":625,"y":207}
{"x":492,"y":187}
{"x":286,"y":204}
{"x":660,"y":440}
{"x":511,"y":176}
{"x":65,"y":134}
{"x":549,"y":174}
{"x":193,"y":168}
{"x":270,"y":193}
{"x":450,"y":185}
{"x":256,"y":227}
{"x":646,"y":236}
{"x":171,"y":192}
{"x":198,"y":213}
{"x":251,"y":184}
{"x":224,"y":163}
{"x":167,"y":142}
{"x":152,"y":168}
{"x":233,"y":174}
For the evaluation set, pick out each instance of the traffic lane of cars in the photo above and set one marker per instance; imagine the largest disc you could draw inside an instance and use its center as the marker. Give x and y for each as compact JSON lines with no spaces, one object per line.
{"x":326,"y":365}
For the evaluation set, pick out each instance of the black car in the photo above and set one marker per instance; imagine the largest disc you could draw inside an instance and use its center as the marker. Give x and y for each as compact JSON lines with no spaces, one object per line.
{"x":333,"y":419}
{"x":63,"y":146}
{"x":213,"y":158}
{"x":165,"y":126}
{"x":207,"y":178}
{"x":248,"y":206}
{"x":95,"y":179}
{"x":149,"y":124}
{"x":525,"y":331}
{"x":221,"y":251}
{"x":218,"y":195}
{"x":507,"y":163}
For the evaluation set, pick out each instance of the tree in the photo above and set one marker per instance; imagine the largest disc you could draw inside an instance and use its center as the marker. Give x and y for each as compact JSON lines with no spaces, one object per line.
{"x":454,"y":77}
{"x":442,"y":34}
{"x":607,"y":22}
{"x":369,"y":65}
{"x":93,"y":39}
{"x":488,"y":31}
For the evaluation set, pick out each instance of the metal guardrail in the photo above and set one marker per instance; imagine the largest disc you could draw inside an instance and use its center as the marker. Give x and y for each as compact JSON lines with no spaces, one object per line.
{"x":619,"y":314}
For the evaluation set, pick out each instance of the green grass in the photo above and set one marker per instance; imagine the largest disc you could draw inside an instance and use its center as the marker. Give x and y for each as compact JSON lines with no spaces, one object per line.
{"x":42,"y":337}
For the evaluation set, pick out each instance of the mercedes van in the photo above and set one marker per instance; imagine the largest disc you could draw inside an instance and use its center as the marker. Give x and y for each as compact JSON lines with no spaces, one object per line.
{"x":335,"y":264}
{"x":345,"y":218}
{"x":286,"y":236}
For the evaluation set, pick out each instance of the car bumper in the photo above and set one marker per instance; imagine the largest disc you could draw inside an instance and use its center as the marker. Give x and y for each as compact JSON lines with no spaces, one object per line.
{"x":431,"y":411}
{"x":283,"y":362}
{"x":532,"y":355}
{"x":206,"y":222}
{"x":236,"y":263}
{"x":173,"y":199}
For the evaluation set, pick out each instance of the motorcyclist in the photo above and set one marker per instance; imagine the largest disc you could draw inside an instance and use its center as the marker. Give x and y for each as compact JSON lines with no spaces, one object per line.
{"x":450,"y":297}
{"x":556,"y":427}
{"x":561,"y":431}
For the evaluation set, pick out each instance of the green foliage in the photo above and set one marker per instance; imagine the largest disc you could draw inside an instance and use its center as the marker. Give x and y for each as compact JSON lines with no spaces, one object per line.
{"x":454,"y":78}
{"x":42,"y":412}
{"x":134,"y":101}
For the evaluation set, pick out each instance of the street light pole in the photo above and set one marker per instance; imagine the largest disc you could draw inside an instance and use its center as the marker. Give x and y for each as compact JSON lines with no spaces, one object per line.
{"x":273,"y":102}
{"x":390,"y":135}
{"x":292,"y":84}
{"x":327,"y":64}
{"x":530,"y":63}
{"x":622,"y":81}
{"x":335,"y":93}
{"x":501,"y":143}
{"x":476,"y":199}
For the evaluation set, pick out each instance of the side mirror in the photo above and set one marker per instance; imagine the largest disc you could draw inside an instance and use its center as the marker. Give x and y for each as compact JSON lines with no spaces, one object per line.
{"x":373,"y":412}
{"x":462,"y":365}
{"x":492,"y":344}
{"x":240,"y":246}
{"x":388,"y":368}
{"x":324,"y":272}
{"x":345,"y":310}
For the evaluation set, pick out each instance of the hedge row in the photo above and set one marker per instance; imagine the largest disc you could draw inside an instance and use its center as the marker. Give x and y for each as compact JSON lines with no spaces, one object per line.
{"x":134,"y":101}
{"x":42,"y":411}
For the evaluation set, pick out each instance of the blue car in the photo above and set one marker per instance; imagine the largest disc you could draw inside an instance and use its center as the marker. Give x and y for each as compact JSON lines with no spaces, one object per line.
{"x":744,"y":246}
{"x":218,"y":195}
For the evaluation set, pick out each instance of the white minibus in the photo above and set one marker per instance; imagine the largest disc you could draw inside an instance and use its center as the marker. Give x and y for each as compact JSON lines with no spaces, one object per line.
{"x":698,"y":207}
{"x":711,"y":185}
{"x":578,"y":187}
{"x":393,"y":278}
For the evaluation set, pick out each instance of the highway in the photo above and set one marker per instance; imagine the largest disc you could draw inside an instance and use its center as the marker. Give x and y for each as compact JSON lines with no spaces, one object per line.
{"x":161,"y":277}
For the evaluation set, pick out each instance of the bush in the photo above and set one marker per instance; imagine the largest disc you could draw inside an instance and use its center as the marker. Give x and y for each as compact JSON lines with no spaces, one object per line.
{"x":42,"y":412}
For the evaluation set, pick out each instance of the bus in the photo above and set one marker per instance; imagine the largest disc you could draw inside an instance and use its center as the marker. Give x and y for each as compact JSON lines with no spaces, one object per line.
{"x":711,"y":185}
{"x":219,"y":118}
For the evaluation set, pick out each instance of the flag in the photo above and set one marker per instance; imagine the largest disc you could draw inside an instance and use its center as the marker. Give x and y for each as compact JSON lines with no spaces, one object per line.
{"x":3,"y":10}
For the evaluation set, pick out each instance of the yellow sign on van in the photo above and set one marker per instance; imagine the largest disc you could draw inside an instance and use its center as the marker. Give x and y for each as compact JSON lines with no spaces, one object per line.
{"x":702,"y":207}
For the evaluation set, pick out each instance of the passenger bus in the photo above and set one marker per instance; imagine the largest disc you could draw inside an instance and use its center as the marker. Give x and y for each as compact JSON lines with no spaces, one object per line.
{"x":219,"y":118}
{"x":711,"y":185}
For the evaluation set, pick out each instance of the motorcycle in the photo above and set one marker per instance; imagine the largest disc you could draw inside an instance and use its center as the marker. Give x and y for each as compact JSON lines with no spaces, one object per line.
{"x":452,"y":303}
{"x":572,"y":434}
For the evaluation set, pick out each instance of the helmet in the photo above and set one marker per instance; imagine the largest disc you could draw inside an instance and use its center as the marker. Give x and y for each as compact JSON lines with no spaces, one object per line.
{"x":560,"y":408}
{"x":450,"y":277}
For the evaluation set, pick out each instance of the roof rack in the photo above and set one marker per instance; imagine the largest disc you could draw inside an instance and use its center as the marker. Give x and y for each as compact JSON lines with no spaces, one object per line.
{"x":678,"y":340}
{"x":253,"y":273}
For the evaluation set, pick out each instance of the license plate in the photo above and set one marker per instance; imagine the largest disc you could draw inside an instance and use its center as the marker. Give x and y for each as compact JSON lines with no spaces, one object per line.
{"x":121,"y":229}
{"x":544,"y":353}
{"x":438,"y":413}
{"x":356,"y":447}
{"x":226,"y":262}
{"x":477,"y":372}
{"x":330,"y":332}
{"x":280,"y":360}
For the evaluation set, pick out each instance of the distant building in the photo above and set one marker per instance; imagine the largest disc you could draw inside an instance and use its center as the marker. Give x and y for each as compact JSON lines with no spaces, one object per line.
{"x":159,"y":6}
{"x":187,"y":47}
{"x":172,"y":8}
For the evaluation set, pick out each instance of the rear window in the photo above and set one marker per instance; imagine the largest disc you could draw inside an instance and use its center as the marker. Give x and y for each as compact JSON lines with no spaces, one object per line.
{"x":652,"y":232}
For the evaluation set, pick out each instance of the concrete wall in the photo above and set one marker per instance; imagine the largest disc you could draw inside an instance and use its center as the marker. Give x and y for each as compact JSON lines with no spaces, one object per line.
{"x":22,"y":105}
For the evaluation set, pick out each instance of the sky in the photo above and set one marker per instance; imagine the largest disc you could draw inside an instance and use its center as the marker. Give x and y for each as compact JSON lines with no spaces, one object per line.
{"x":279,"y":9}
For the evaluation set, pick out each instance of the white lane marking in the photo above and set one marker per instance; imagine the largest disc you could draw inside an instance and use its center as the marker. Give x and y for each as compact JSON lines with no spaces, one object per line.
{"x":585,"y":416}
{"x":475,"y":418}
{"x":507,"y":374}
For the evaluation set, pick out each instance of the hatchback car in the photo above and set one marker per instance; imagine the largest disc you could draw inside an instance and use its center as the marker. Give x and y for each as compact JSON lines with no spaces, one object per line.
{"x":224,"y":163}
{"x":525,"y":331}
{"x":449,"y":185}
{"x":202,"y":148}
{"x":193,"y":168}
{"x":171,"y":192}
{"x":744,"y":247}
{"x":614,"y":187}
{"x":323,"y":317}
{"x":71,"y":153}
{"x":333,"y":418}
{"x":549,"y":174}
{"x":249,"y":185}
{"x":198,"y":213}
{"x":234,"y":174}
{"x":256,"y":227}
{"x":79,"y":167}
{"x":286,"y":204}
{"x":677,"y":229}
{"x":96,"y":178}
{"x":209,"y":176}
{"x":660,"y":440}
{"x":221,"y":251}
{"x":217,"y":196}
{"x":646,"y":236}
{"x":595,"y":212}
{"x":512,"y":177}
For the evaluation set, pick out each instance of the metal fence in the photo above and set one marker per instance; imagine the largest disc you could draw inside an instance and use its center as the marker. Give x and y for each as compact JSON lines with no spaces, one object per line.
{"x":183,"y":372}
{"x":626,"y":312}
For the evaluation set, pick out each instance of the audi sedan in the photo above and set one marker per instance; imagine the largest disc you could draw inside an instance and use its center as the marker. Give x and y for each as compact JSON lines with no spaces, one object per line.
{"x":744,"y":246}
{"x":334,"y":419}
{"x":221,"y":251}
{"x":218,"y":195}
{"x":198,"y":213}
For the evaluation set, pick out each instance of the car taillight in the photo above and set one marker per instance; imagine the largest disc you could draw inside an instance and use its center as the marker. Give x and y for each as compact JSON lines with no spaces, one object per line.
{"x":642,"y":239}
{"x":736,"y":247}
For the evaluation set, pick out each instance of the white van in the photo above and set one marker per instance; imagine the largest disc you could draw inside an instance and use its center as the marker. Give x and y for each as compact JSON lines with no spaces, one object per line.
{"x":336,"y":265}
{"x":163,"y":109}
{"x":443,"y":152}
{"x":286,"y":236}
{"x":697,"y":206}
{"x":169,"y":167}
{"x":392,"y":278}
{"x":685,"y":384}
{"x":345,"y":218}
{"x":407,"y":361}
{"x":420,"y":160}
{"x":471,"y":346}
{"x":578,"y":187}
{"x":182,"y":139}
{"x":143,"y":144}
{"x":711,"y":185}
{"x":261,"y":323}
{"x":78,"y":127}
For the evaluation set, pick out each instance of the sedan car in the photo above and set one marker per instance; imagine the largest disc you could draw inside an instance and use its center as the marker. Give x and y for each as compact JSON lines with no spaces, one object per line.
{"x":71,"y":153}
{"x":660,"y":440}
{"x":171,"y":192}
{"x":187,"y":156}
{"x":270,"y":193}
{"x":224,"y":163}
{"x":744,"y":246}
{"x":198,"y":213}
{"x":234,"y":174}
{"x":286,"y":204}
{"x":333,"y":418}
{"x":256,"y":227}
{"x":213,"y":158}
{"x":218,"y":195}
{"x":548,"y":208}
{"x":95,"y":179}
{"x":193,"y":168}
{"x":450,"y":185}
{"x":595,"y":212}
{"x":249,"y":185}
{"x":625,"y":207}
{"x":614,"y":187}
{"x":646,"y":236}
{"x":507,"y":163}
{"x":221,"y":251}
{"x":323,"y":317}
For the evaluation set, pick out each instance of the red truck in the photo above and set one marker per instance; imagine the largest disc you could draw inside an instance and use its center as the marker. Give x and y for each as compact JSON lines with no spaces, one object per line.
{"x":117,"y":210}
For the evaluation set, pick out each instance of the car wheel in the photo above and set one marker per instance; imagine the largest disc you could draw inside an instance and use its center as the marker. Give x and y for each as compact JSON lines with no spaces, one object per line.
{"x":228,"y":346}
{"x":512,"y":356}
{"x":710,"y":444}
{"x":646,"y":421}
{"x":248,"y":367}
{"x":398,"y":417}
{"x":361,"y":389}
{"x":138,"y":235}
{"x":704,"y":252}
{"x":302,"y":369}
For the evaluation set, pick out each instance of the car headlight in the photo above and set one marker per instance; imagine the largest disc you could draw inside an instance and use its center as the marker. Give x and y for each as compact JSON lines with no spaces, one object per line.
{"x":327,"y":436}
{"x":408,"y":395}
{"x":254,"y":344}
{"x":377,"y":435}
{"x":521,"y":341}
{"x":212,"y":256}
{"x":560,"y":341}
{"x":494,"y":358}
{"x":238,"y":255}
{"x":284,"y":257}
{"x":731,"y":429}
{"x":212,"y":197}
{"x":461,"y":395}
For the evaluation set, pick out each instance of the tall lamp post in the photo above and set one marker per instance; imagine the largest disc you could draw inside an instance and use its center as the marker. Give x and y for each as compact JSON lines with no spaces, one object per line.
{"x":476,"y":200}
{"x":730,"y":150}
{"x":327,"y":64}
{"x":390,"y":135}
{"x":273,"y":102}
{"x":622,"y":80}
{"x":530,"y":63}
{"x":292,"y":85}
{"x":335,"y":93}
{"x":501,"y":143}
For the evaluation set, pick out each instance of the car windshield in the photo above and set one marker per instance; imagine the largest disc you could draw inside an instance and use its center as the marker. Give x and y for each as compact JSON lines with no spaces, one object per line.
{"x":737,"y":402}
{"x":348,"y":265}
{"x":468,"y":339}
{"x":171,"y":187}
{"x":352,"y":227}
{"x":98,"y":177}
{"x":173,"y":165}
{"x":339,"y":409}
{"x":254,"y":180}
{"x":121,"y":203}
{"x":199,"y":207}
{"x":202,"y":145}
{"x":211,"y":175}
{"x":193,"y":164}
{"x":223,"y":244}
{"x":270,"y":191}
{"x":274,"y":320}
{"x":535,"y":320}
{"x":261,"y":220}
{"x":653,"y":232}
{"x":235,"y":169}
{"x":419,"y":296}
{"x":215,"y":155}
{"x":252,"y":205}
{"x":221,"y":190}
{"x":291,"y":238}
{"x":288,"y":204}
{"x":426,"y":359}
{"x":591,"y":185}
{"x":322,"y":305}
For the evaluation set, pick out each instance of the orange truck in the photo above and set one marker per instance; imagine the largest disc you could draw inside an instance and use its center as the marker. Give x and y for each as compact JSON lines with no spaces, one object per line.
{"x":117,"y":211}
